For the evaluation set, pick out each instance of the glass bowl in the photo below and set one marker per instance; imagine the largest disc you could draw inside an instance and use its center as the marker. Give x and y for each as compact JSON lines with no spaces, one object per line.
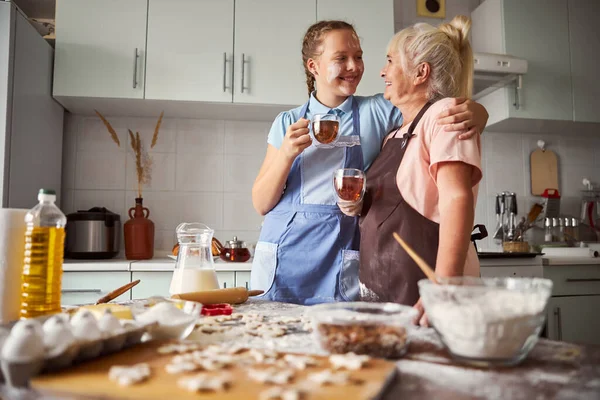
{"x":375,"y":329}
{"x":487,"y":321}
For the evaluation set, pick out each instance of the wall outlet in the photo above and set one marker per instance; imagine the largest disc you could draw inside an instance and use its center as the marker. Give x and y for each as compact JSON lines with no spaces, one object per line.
{"x":431,"y":8}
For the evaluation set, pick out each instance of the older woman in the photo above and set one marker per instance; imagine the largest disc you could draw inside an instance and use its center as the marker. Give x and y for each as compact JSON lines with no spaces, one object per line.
{"x":424,"y":182}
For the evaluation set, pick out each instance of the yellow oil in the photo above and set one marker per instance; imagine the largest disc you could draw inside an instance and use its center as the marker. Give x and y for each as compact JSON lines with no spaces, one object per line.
{"x":42,"y":271}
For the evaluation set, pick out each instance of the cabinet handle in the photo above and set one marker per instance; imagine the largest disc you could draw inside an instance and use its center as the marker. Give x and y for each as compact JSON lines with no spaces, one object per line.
{"x":557,"y":317}
{"x":583,"y":280}
{"x":136,"y":55}
{"x":81,"y":291}
{"x":225,"y":62}
{"x":244,"y":62}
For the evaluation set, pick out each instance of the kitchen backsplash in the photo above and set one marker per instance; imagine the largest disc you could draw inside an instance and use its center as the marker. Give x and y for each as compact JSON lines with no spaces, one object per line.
{"x":204,"y":169}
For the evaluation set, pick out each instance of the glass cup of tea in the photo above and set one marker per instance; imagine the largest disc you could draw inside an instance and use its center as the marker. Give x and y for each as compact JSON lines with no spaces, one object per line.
{"x":324,"y":129}
{"x":349,"y":185}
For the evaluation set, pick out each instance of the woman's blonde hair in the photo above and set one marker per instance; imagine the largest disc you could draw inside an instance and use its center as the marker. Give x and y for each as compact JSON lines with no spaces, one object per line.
{"x":447,"y":51}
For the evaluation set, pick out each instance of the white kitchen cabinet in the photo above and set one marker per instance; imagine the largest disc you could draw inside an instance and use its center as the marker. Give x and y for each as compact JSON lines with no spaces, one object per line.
{"x":538,"y":33}
{"x":100,"y":48}
{"x":88,"y":287}
{"x":190,"y":50}
{"x":268,"y":41}
{"x":584,"y":38}
{"x":226,"y":279}
{"x":574,"y":319}
{"x":152,"y":283}
{"x":242,"y":279}
{"x":374,"y":22}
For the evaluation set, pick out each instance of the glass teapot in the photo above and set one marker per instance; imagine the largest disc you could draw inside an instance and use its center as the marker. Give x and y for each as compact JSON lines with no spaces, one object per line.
{"x":194,"y":269}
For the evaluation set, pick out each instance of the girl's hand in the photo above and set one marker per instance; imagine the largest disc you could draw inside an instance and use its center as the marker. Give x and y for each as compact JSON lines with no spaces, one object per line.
{"x":351,"y":209}
{"x":421,"y":319}
{"x":296,"y":139}
{"x":465,"y":115}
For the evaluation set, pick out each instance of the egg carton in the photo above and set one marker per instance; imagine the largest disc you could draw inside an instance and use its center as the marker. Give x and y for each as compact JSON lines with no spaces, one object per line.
{"x":24,"y":355}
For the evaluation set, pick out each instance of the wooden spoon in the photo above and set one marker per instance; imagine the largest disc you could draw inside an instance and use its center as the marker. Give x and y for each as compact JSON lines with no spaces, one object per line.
{"x":427,"y":270}
{"x":117,"y":292}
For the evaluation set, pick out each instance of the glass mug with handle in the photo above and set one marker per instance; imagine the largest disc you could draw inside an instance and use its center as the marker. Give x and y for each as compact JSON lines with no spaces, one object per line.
{"x":349,"y":185}
{"x":324,"y":129}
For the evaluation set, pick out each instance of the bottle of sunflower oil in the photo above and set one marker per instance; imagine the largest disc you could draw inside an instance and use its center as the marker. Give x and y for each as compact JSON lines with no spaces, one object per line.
{"x":44,"y":248}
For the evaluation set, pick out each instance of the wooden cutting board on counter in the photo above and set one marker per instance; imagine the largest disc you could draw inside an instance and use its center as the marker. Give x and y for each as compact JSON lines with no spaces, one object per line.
{"x":544,"y":171}
{"x":90,"y":380}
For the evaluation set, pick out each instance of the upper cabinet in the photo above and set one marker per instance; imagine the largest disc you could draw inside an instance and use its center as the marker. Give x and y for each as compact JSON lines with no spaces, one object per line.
{"x":556,"y":37}
{"x":100,"y":48}
{"x":184,"y":52}
{"x":374,"y":23}
{"x":268,"y":50}
{"x":190,"y":50}
{"x":538,"y":34}
{"x":584,"y":38}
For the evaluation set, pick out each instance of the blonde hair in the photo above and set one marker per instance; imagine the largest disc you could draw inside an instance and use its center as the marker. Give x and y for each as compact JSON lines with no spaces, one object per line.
{"x":447,"y":51}
{"x":313,"y":39}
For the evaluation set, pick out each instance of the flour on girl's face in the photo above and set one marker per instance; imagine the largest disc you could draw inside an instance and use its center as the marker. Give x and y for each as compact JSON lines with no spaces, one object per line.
{"x":333,"y":71}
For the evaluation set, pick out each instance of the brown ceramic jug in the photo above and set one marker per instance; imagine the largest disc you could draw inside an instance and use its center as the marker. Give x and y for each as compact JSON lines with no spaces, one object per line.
{"x":139,"y":233}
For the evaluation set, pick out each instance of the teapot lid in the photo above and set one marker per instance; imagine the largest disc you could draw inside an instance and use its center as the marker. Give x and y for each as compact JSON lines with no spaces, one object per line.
{"x":234,"y":244}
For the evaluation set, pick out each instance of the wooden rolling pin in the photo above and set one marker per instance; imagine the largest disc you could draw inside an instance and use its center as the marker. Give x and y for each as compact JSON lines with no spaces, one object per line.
{"x":237,"y":295}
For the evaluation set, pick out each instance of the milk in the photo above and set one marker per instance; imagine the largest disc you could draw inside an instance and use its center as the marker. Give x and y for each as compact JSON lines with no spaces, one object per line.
{"x":187,"y":280}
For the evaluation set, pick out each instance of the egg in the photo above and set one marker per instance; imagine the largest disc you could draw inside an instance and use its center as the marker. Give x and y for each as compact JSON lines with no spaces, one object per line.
{"x":24,"y":343}
{"x":109,"y":324}
{"x":85,"y":326}
{"x":57,"y":332}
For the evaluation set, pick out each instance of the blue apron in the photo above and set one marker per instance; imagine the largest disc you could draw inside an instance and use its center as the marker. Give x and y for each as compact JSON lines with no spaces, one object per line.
{"x":307,"y":252}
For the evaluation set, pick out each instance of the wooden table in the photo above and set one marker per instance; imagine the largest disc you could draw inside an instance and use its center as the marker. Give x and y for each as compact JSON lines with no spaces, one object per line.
{"x":553,"y":370}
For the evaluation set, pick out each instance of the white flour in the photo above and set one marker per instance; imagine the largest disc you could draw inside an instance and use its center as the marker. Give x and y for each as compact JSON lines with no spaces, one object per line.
{"x":495,"y":324}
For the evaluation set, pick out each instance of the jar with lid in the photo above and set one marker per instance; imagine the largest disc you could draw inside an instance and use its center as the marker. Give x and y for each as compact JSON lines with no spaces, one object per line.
{"x":235,"y":251}
{"x":558,"y":230}
{"x":194,"y":269}
{"x":548,"y":229}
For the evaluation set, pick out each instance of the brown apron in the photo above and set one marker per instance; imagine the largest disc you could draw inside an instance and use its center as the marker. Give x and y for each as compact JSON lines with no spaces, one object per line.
{"x":387,"y":273}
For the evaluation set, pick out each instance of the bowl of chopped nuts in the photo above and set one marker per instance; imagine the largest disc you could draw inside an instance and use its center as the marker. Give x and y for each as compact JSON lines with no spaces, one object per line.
{"x":376,"y":329}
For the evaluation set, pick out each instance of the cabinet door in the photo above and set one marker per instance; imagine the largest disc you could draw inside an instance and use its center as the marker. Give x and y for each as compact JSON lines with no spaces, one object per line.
{"x":226,"y":279}
{"x":100,"y":48}
{"x":374,"y":23}
{"x":190,"y":50}
{"x":584,"y":38}
{"x":88,"y":287}
{"x":242,"y":279}
{"x":268,"y":60}
{"x":540,"y":34}
{"x":574,"y":319}
{"x":151,"y":284}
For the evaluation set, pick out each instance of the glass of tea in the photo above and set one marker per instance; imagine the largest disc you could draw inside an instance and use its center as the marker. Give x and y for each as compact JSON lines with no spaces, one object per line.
{"x":324,"y":128}
{"x":349,"y":185}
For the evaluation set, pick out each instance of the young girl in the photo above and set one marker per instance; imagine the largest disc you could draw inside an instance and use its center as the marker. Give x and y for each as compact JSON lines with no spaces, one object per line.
{"x":308,"y":249}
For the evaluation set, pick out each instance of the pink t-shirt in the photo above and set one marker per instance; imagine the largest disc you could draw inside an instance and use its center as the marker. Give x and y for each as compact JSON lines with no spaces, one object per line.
{"x":416,"y":177}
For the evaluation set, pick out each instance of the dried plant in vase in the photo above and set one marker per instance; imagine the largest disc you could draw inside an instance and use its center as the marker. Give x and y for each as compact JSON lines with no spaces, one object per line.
{"x":139,"y":229}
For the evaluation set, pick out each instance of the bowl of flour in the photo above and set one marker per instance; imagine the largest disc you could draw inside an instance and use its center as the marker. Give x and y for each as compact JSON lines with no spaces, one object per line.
{"x":487,"y":321}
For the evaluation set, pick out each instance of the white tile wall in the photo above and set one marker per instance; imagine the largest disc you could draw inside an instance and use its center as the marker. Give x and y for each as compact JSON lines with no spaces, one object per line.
{"x":202,"y":170}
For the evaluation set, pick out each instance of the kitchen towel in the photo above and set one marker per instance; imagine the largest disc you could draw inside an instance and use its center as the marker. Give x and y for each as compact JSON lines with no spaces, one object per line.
{"x":12,"y":247}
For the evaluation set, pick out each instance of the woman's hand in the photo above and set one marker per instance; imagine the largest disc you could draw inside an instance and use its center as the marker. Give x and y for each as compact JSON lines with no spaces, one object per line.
{"x":421,"y":319}
{"x":351,"y":209}
{"x":465,"y":115}
{"x":296,"y":139}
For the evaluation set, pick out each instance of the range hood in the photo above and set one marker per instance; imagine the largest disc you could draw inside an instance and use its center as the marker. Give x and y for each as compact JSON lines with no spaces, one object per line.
{"x":495,"y":71}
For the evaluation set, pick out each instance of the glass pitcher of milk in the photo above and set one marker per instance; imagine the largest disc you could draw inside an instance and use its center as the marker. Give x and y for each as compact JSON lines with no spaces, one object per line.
{"x":194,"y":269}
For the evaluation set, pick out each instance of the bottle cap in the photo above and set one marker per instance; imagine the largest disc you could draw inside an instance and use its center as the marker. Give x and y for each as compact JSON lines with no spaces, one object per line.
{"x":46,"y":195}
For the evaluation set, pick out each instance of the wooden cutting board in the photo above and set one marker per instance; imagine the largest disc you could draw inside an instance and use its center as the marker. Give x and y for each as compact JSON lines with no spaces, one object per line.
{"x":544,"y":171}
{"x":90,"y":380}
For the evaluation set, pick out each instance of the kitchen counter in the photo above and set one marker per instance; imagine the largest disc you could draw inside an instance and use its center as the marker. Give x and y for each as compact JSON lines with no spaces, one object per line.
{"x":156,"y":264}
{"x":553,"y":370}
